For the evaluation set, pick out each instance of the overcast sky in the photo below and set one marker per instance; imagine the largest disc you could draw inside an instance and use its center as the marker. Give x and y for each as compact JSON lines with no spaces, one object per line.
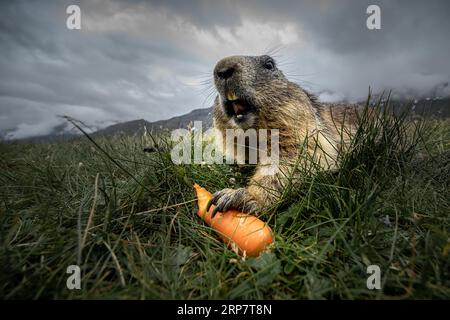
{"x":154,"y":59}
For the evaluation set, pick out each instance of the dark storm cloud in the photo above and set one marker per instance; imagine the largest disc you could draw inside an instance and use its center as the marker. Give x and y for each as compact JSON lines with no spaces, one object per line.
{"x":48,"y":70}
{"x":147,"y":59}
{"x":204,"y":13}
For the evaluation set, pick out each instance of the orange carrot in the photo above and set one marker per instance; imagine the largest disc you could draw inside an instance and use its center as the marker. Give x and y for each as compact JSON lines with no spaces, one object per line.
{"x":248,"y":233}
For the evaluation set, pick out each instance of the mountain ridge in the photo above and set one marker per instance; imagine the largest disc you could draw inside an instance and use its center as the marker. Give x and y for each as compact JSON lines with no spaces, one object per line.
{"x":438,"y":107}
{"x":140,"y":125}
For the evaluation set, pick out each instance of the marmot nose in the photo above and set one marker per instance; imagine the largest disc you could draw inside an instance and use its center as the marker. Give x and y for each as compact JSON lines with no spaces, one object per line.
{"x":225,"y":73}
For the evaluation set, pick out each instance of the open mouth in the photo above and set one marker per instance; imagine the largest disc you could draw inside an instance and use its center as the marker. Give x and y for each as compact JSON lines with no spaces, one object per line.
{"x":238,"y":108}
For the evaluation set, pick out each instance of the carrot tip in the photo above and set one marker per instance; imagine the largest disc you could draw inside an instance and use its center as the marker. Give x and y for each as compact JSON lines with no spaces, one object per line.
{"x":196,"y":186}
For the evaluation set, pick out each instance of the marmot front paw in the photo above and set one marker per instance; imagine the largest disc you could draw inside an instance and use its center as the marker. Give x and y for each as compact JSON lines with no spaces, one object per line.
{"x":229,"y":199}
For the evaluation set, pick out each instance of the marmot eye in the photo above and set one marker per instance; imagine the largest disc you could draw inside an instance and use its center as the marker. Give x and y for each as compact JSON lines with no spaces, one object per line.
{"x":269,"y":65}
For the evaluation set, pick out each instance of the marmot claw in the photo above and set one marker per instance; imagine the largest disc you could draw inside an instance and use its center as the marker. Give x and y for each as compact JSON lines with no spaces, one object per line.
{"x":232,"y":199}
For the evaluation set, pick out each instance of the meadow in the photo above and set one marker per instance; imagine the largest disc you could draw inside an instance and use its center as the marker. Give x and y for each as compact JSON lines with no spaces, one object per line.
{"x":128,"y":219}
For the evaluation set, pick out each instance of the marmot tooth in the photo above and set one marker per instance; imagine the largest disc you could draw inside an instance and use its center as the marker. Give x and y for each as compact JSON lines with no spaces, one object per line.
{"x":231,"y":96}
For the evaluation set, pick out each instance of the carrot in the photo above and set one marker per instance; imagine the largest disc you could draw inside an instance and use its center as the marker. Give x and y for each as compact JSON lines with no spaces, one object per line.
{"x":246,"y":232}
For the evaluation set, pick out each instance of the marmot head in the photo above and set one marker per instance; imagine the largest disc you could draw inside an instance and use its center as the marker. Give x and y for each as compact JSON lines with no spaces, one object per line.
{"x":249,"y":87}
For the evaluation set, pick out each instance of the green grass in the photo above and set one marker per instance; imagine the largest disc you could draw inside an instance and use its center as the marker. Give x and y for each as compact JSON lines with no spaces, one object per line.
{"x":134,"y":232}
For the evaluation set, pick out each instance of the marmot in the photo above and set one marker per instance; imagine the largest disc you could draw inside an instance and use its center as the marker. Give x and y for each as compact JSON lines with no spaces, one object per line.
{"x":254,"y":93}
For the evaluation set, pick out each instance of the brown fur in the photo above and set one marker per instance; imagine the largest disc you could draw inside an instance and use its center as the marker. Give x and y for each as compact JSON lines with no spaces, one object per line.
{"x":322,"y":129}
